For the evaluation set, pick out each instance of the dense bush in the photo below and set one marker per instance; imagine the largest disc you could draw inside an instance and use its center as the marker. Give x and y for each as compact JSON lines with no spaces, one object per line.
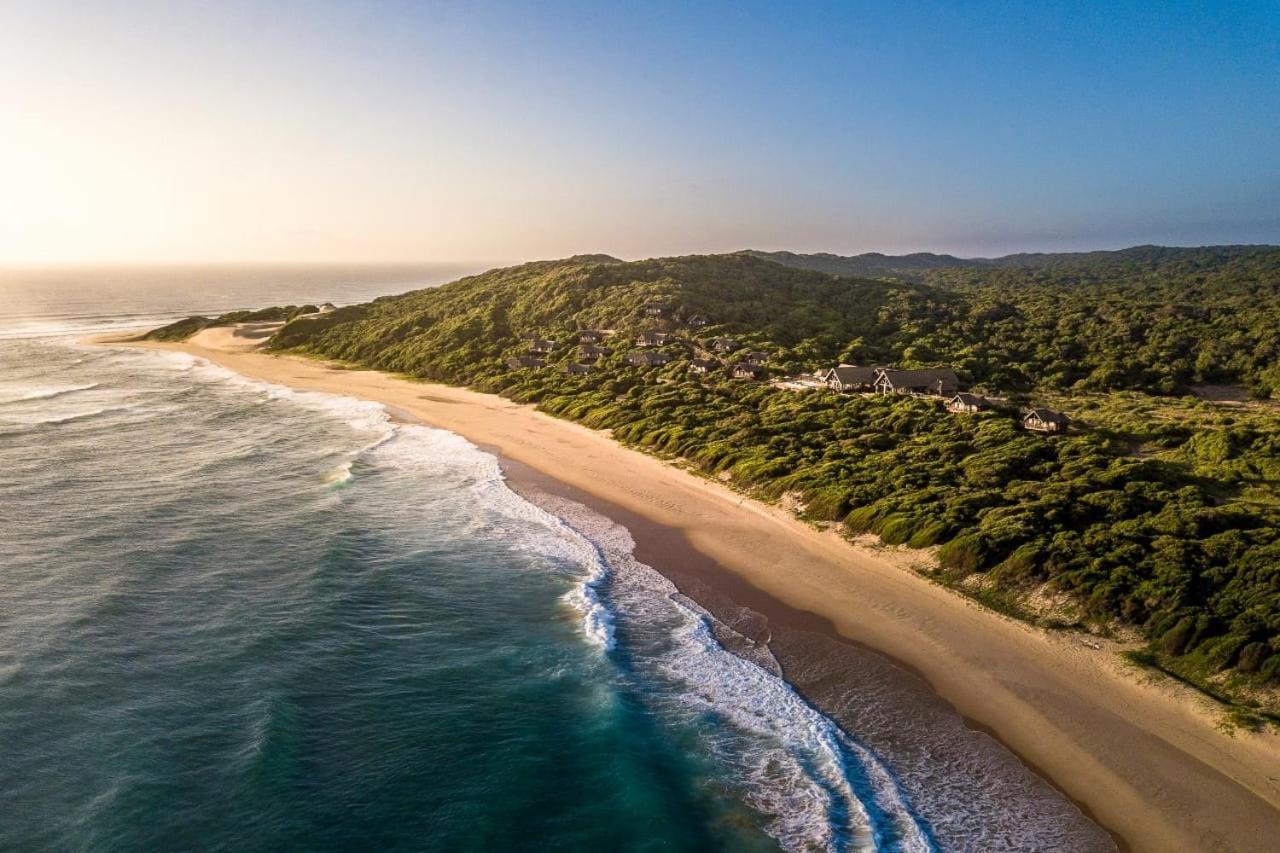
{"x":1160,"y":512}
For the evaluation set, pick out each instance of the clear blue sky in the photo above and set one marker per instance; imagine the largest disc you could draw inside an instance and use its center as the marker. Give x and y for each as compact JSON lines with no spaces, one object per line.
{"x":396,"y":131}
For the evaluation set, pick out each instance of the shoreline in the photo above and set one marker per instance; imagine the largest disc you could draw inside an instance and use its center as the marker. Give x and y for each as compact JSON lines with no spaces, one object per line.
{"x":717,"y":589}
{"x":1142,"y":758}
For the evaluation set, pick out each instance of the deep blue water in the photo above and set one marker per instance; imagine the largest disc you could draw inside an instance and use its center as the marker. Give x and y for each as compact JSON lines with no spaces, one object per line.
{"x":238,"y":617}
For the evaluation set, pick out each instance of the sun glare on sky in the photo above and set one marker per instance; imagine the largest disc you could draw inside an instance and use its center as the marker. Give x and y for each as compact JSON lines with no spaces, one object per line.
{"x":173,"y":132}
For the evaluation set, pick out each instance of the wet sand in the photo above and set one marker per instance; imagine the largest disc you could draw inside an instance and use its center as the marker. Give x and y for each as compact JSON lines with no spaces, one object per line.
{"x":1143,"y":755}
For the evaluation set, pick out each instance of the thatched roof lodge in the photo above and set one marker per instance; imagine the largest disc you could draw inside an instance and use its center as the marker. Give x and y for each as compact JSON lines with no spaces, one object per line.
{"x":848,"y":378}
{"x":936,"y":381}
{"x":573,"y":369}
{"x":966,"y":403}
{"x":541,"y":345}
{"x":1045,"y":420}
{"x":724,"y":344}
{"x":525,"y":362}
{"x":587,"y":352}
{"x":653,"y":339}
{"x":703,"y":365}
{"x":756,"y":358}
{"x":655,"y":309}
{"x":697,"y":321}
{"x":744,"y":370}
{"x":590,"y":336}
{"x":645,"y":358}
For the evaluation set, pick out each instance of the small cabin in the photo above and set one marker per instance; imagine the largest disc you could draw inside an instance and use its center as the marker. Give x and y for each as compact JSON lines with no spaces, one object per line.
{"x":645,"y":358}
{"x":759,"y":359}
{"x":653,"y":339}
{"x":744,"y":370}
{"x":589,"y":353}
{"x":541,"y":345}
{"x":724,"y":344}
{"x":1045,"y":420}
{"x":934,"y":382}
{"x":703,"y":365}
{"x":697,"y":321}
{"x":590,"y":336}
{"x":524,"y":362}
{"x":655,"y":309}
{"x":968,"y":404}
{"x":573,"y":369}
{"x":849,"y":378}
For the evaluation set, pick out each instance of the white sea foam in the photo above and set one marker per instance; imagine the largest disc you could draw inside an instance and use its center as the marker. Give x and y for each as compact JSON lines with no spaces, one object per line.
{"x":24,"y":393}
{"x":341,"y":474}
{"x":797,"y":765}
{"x":818,"y":787}
{"x":52,"y":419}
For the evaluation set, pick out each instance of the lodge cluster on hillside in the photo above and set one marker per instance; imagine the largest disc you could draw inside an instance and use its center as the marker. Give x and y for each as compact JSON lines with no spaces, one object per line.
{"x":647,"y":351}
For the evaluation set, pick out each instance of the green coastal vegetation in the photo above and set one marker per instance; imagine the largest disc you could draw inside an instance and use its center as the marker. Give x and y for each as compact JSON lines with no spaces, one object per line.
{"x":1156,"y":515}
{"x":185,"y":328}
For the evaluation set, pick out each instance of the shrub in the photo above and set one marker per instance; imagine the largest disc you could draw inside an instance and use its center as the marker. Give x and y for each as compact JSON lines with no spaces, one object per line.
{"x":1173,"y":642}
{"x":964,"y":554}
{"x":897,"y":529}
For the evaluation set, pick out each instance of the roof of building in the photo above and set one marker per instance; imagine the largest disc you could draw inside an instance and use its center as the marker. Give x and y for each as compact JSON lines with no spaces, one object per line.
{"x":849,"y":374}
{"x":967,"y":399}
{"x":1048,"y":416}
{"x":919,"y":378}
{"x":707,"y":363}
{"x":648,"y":357}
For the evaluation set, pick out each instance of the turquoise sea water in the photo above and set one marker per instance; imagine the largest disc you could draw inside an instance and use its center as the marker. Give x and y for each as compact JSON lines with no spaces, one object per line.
{"x":239,"y":617}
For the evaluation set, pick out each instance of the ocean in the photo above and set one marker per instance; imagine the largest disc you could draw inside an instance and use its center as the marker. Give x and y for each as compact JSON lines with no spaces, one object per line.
{"x":236,"y":616}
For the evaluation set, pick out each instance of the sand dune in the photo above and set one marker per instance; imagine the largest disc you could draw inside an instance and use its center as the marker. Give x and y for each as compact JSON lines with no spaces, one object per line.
{"x":1143,"y":755}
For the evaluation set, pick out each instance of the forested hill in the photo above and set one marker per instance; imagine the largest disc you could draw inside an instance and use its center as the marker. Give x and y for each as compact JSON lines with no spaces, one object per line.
{"x":467,"y":330}
{"x":1157,"y":512}
{"x":1150,"y":318}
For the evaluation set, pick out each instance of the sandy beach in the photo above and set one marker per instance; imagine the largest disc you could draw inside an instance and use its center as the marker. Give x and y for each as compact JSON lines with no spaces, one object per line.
{"x":1145,"y":757}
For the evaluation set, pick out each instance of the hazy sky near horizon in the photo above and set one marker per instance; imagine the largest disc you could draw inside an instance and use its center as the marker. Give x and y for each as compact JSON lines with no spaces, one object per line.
{"x":393,"y":131}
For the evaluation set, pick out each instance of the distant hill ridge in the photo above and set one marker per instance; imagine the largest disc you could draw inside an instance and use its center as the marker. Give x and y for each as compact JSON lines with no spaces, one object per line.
{"x":877,"y":264}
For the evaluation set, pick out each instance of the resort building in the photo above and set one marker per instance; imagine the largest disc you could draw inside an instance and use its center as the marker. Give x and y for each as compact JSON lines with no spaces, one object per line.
{"x":1045,"y":420}
{"x":703,"y":365}
{"x":653,"y":339}
{"x":756,"y":358}
{"x":523,"y":362}
{"x":724,"y":344}
{"x":848,"y":378}
{"x":697,"y":321}
{"x":655,"y":309}
{"x":934,"y":382}
{"x":743,"y":370}
{"x":965,"y":403}
{"x":645,"y":358}
{"x":590,"y":336}
{"x":577,"y":369}
{"x":541,"y":345}
{"x":589,"y":353}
